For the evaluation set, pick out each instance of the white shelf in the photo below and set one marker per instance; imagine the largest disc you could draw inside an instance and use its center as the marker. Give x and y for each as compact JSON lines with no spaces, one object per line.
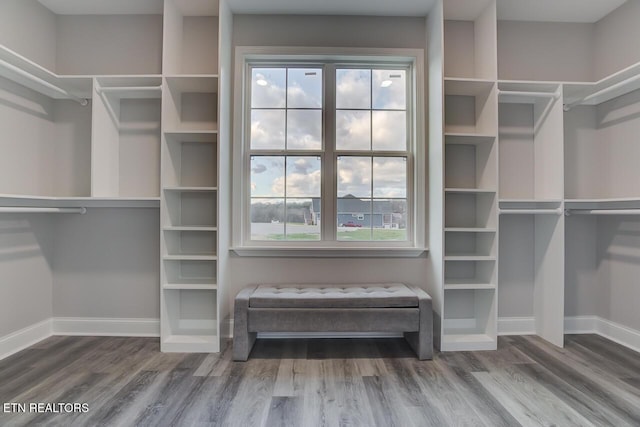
{"x":78,"y":86}
{"x":610,"y":87}
{"x":201,"y":83}
{"x":194,"y":343}
{"x":470,"y":257}
{"x":190,"y":286}
{"x":189,"y":257}
{"x":453,"y":138}
{"x":469,"y":191}
{"x":191,"y":228}
{"x":463,"y":285}
{"x":467,"y":342}
{"x":467,"y":87}
{"x":469,"y":230}
{"x":7,"y":200}
{"x":613,"y":203}
{"x":192,"y":189}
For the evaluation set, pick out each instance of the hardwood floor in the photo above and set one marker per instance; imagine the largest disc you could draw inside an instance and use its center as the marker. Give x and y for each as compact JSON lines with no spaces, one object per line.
{"x":128,"y":382}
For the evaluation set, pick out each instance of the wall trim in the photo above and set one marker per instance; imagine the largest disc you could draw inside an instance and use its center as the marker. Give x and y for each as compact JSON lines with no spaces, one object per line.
{"x":516,"y":326}
{"x":620,"y":334}
{"x":25,"y":337}
{"x":96,"y":326}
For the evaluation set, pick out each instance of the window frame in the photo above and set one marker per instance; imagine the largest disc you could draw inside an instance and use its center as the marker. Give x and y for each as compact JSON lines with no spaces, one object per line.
{"x":328,"y":60}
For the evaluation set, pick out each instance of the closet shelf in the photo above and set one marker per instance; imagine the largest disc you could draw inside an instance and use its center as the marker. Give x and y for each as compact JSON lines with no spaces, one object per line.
{"x":204,"y":135}
{"x":191,"y":228}
{"x":469,"y":230}
{"x":610,"y":87}
{"x":453,"y":138}
{"x":467,"y":87}
{"x":27,"y":73}
{"x":469,"y":191}
{"x":7,"y":200}
{"x":189,"y":257}
{"x":200,"y":83}
{"x":190,"y":286}
{"x":463,"y":285}
{"x":470,"y":257}
{"x":192,"y":189}
{"x":461,"y":341}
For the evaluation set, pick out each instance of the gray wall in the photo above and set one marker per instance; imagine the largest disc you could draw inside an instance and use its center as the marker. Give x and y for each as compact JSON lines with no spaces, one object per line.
{"x":545,"y":51}
{"x":616,"y":40}
{"x":106,"y":264}
{"x":29,"y":29}
{"x":109,"y":44}
{"x":331,"y":31}
{"x":25,"y":271}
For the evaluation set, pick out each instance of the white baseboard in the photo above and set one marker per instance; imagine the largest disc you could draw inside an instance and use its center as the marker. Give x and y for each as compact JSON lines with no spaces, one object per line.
{"x":581,"y":324}
{"x":94,"y":326}
{"x":26,"y":337}
{"x":516,"y":326}
{"x":619,"y":333}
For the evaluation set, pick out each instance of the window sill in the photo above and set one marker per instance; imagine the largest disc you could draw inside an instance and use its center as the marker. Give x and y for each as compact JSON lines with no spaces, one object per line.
{"x":328,"y":252}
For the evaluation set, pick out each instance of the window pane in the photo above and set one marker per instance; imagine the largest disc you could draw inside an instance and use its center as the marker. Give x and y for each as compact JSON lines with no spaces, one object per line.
{"x":389,"y":130}
{"x":302,"y":219}
{"x":389,"y":220}
{"x":304,"y":177}
{"x":353,"y":89}
{"x":354,"y":219}
{"x":268,"y":87}
{"x":267,"y":176}
{"x":267,"y":219}
{"x":353,"y":130}
{"x":304,"y":129}
{"x":304,"y":88}
{"x":267,"y":129}
{"x":390,"y":177}
{"x":389,"y":90}
{"x":354,"y":177}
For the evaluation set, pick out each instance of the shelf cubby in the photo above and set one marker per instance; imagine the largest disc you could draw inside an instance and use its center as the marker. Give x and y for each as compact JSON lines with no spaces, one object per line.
{"x":190,"y":209}
{"x":470,"y":245}
{"x":190,"y":323}
{"x":191,"y":161}
{"x":471,"y":166}
{"x":470,"y":210}
{"x":126,"y":137}
{"x":190,"y":242}
{"x":470,"y":107}
{"x":191,"y":104}
{"x":189,"y":274}
{"x":470,"y":321}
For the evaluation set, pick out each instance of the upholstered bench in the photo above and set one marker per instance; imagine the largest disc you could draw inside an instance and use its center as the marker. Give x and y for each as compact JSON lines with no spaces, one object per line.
{"x":390,"y":307}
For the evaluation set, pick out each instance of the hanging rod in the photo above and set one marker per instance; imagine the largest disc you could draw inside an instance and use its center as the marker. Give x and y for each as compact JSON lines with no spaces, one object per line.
{"x":554,"y":95}
{"x":120,"y":89}
{"x":601,"y":92}
{"x":80,"y":211}
{"x":38,"y":80}
{"x":602,"y":212}
{"x":557,"y":211}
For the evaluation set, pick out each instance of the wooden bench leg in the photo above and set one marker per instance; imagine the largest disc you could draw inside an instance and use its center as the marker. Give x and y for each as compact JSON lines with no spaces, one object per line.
{"x":243,"y":340}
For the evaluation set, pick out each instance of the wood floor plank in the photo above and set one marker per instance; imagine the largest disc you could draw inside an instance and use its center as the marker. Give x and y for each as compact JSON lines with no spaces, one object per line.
{"x":317,"y":382}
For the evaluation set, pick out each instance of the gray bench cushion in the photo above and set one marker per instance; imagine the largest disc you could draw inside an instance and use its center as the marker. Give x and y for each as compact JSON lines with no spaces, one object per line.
{"x":338,"y":296}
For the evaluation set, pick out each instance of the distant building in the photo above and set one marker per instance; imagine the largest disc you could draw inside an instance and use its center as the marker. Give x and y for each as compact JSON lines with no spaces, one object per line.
{"x":358,"y":213}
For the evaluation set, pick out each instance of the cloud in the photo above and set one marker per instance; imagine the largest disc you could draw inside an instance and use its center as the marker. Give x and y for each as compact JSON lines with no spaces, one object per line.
{"x":354,"y":176}
{"x":353,"y":88}
{"x":389,"y":130}
{"x":304,"y":88}
{"x":389,"y":177}
{"x":271,"y":93}
{"x":267,"y":129}
{"x":304,"y":129}
{"x":392,"y":97}
{"x":258,"y":168}
{"x":353,"y":130}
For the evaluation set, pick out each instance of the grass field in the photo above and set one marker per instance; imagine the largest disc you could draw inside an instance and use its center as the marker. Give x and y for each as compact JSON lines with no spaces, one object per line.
{"x":355,"y":234}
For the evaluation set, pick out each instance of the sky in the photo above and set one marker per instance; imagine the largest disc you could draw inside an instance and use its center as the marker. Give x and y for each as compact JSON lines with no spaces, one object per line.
{"x":357,"y":128}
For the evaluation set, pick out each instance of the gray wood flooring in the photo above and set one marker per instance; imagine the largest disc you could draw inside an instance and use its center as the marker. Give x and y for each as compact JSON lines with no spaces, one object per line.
{"x":128,"y":382}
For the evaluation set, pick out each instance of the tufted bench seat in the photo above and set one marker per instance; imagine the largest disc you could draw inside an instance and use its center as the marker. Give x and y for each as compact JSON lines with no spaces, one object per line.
{"x":390,"y":307}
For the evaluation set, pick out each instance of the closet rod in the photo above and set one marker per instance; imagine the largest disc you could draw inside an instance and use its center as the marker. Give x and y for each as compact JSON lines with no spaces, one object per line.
{"x":80,"y":211}
{"x":603,"y":212}
{"x":130,"y":89}
{"x":601,"y":92}
{"x":38,"y":80}
{"x":554,"y":95}
{"x":530,"y":211}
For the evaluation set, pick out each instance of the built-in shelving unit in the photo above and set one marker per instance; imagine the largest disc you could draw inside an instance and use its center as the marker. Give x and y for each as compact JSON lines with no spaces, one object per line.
{"x":470,"y":180}
{"x":189,"y":217}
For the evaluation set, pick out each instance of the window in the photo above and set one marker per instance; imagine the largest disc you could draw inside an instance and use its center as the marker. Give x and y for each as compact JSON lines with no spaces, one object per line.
{"x":328,"y":152}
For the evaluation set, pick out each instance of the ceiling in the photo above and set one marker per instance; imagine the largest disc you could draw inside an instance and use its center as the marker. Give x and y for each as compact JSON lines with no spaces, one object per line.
{"x":518,"y":10}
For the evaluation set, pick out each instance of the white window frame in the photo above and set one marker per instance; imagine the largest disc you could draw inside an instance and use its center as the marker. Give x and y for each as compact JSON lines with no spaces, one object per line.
{"x":416,"y":153}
